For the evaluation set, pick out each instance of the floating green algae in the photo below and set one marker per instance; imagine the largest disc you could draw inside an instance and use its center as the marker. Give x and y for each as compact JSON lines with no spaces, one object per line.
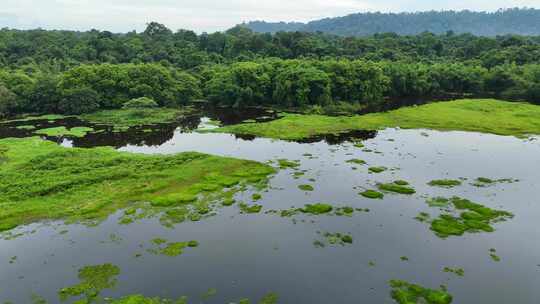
{"x":357,"y":161}
{"x":316,"y":209}
{"x":392,"y":187}
{"x":250,"y":209}
{"x":445,"y":183}
{"x":372,"y":194}
{"x":407,"y":293}
{"x":42,"y":180}
{"x":209,"y":293}
{"x":306,"y":187}
{"x":377,"y":169}
{"x":171,"y":249}
{"x":286,"y":164}
{"x":333,"y":239}
{"x":472,"y":218}
{"x":493,"y":255}
{"x":93,"y":279}
{"x":401,"y":182}
{"x":438,"y":201}
{"x":485,"y":182}
{"x":63,"y":131}
{"x":256,"y":197}
{"x":457,"y":271}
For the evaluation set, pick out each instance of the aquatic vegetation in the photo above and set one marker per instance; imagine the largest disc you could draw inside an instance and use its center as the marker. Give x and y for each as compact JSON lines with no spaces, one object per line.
{"x":250,"y":209}
{"x":485,"y":182}
{"x":377,"y":169}
{"x":445,"y":183}
{"x":423,"y":217}
{"x":125,"y":118}
{"x":63,"y":131}
{"x":93,"y":279}
{"x":42,"y":180}
{"x":404,"y":258}
{"x":316,"y":209}
{"x":392,"y":187}
{"x":333,"y":239}
{"x":505,"y":118}
{"x":306,"y":187}
{"x":344,"y":211}
{"x":357,"y":161}
{"x":401,"y":182}
{"x":408,"y":293}
{"x":286,"y":164}
{"x":472,"y":218}
{"x":438,"y":201}
{"x":171,"y":249}
{"x":256,"y":197}
{"x":270,"y":298}
{"x":209,"y":293}
{"x":49,"y":117}
{"x":372,"y":194}
{"x":140,"y":299}
{"x":493,"y":255}
{"x":457,"y":271}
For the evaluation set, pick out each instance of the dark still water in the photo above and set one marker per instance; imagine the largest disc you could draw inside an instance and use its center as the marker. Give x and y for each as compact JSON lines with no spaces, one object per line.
{"x":248,"y":256}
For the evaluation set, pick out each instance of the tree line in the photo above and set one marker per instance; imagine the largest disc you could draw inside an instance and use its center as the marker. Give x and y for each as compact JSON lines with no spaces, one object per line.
{"x":522,"y":21}
{"x":72,"y":73}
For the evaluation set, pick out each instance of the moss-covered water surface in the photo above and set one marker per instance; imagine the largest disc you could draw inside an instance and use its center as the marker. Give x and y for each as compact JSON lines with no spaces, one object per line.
{"x":208,"y":227}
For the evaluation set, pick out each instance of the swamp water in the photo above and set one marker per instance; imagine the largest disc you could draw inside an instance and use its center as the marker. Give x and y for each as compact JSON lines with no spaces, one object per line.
{"x":297,"y":257}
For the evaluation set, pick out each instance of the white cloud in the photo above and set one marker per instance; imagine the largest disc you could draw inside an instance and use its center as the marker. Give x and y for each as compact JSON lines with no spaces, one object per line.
{"x":207,"y":15}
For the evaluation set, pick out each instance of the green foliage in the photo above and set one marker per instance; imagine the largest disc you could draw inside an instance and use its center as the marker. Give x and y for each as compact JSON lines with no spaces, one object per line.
{"x":79,"y":100}
{"x":298,"y":85}
{"x":142,"y":102}
{"x":125,"y":118}
{"x":63,"y":131}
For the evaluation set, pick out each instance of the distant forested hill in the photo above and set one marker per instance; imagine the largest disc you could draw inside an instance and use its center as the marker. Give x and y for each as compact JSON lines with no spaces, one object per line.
{"x":510,"y":21}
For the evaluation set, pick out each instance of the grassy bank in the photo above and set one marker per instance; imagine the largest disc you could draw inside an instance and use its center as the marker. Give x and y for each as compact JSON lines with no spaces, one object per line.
{"x":41,"y":180}
{"x":125,"y":118}
{"x":479,"y":115}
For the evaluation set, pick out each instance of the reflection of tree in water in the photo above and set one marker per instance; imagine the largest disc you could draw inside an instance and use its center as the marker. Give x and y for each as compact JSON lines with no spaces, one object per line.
{"x":154,"y":135}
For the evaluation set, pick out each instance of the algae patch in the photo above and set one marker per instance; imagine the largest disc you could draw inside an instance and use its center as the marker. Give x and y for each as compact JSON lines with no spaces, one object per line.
{"x":93,"y":279}
{"x":407,"y":293}
{"x":372,"y":194}
{"x":445,"y":183}
{"x":396,"y":188}
{"x":462,"y":215}
{"x":63,"y":131}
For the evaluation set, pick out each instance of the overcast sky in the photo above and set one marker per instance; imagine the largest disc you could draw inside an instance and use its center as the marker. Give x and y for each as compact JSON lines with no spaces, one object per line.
{"x":208,"y":15}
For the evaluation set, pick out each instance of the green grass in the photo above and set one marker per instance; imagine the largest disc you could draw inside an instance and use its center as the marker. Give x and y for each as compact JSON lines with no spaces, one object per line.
{"x":478,"y":115}
{"x":125,"y":118}
{"x":42,"y":117}
{"x":43,"y":181}
{"x":63,"y":131}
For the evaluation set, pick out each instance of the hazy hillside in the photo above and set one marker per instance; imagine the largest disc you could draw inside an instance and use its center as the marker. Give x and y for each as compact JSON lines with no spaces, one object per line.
{"x":511,"y":21}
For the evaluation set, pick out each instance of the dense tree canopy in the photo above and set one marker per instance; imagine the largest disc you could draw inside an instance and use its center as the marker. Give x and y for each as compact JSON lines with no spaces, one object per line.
{"x":76,"y":72}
